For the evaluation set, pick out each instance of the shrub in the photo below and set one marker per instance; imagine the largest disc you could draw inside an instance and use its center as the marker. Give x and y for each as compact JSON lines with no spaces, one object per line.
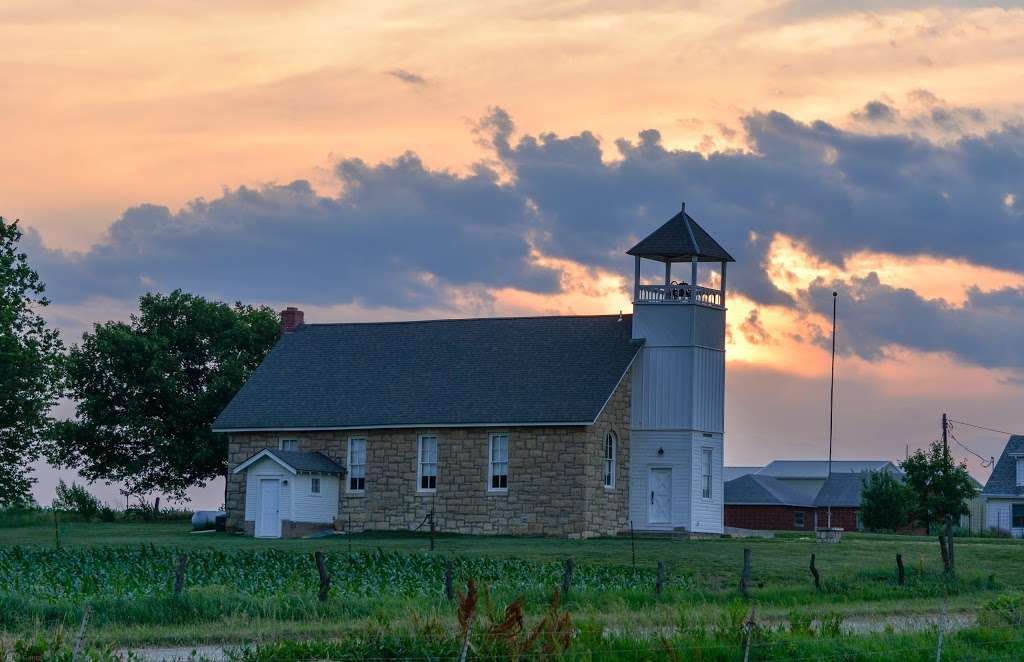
{"x":75,"y":498}
{"x":1006,"y":610}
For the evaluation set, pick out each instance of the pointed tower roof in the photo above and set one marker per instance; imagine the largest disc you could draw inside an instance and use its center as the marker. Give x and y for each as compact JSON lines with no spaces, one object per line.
{"x":678,"y":240}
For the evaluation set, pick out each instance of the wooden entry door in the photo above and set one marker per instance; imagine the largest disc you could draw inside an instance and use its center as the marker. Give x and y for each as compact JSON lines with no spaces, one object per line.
{"x":268,"y":509}
{"x":659,"y":509}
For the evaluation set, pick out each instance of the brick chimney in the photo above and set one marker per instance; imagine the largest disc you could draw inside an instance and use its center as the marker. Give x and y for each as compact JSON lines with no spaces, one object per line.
{"x":291,"y":319}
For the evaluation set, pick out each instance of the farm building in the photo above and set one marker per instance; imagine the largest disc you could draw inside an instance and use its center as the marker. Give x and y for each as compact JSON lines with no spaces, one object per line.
{"x":568,"y":426}
{"x":799,"y":495}
{"x":1004,"y":491}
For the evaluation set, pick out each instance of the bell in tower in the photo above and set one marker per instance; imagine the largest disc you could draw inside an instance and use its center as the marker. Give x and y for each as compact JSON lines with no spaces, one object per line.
{"x":678,"y":391}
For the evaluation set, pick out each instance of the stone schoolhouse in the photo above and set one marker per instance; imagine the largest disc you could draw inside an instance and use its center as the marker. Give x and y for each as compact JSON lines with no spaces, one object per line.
{"x":569,"y":426}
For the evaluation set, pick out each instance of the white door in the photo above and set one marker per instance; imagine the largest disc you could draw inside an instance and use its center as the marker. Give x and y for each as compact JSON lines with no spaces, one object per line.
{"x":268,"y":513}
{"x":659,"y":510}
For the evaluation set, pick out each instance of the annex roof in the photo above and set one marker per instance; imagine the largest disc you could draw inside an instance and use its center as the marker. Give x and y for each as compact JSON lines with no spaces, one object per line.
{"x":757,"y":490}
{"x":679,"y":239}
{"x":818,"y":469}
{"x":443,"y":373}
{"x":1003,"y":481}
{"x":294,"y":461}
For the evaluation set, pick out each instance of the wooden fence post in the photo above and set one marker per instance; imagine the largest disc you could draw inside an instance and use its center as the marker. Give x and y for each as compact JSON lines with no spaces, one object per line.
{"x":660,"y":583}
{"x":449,"y":590}
{"x":745,"y":577}
{"x":325,"y":579}
{"x":179,"y":573}
{"x":950,"y":547}
{"x":570,"y":569}
{"x":80,"y":641}
{"x":632,"y":541}
{"x":901,"y":575}
{"x":945,"y":553}
{"x":814,"y":572}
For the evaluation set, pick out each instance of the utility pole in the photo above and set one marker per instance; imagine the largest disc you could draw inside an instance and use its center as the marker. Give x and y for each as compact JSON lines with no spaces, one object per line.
{"x":945,"y":438}
{"x":832,"y":396}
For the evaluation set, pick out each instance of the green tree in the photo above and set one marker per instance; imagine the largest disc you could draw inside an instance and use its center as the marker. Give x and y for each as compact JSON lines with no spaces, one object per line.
{"x":885,"y":502}
{"x":148,"y":390}
{"x":939,"y":487}
{"x":30,"y":364}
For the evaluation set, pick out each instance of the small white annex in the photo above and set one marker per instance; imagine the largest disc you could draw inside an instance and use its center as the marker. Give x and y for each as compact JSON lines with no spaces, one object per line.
{"x":289,"y":492}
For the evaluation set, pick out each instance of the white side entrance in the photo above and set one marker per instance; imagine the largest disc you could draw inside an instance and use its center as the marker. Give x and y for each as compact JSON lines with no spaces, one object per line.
{"x":659,"y":511}
{"x":268,"y":513}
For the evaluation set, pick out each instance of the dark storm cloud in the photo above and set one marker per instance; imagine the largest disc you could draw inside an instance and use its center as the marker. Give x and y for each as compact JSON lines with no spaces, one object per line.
{"x":402,"y":235}
{"x":397,"y":227}
{"x":985,"y":331}
{"x":876,"y":111}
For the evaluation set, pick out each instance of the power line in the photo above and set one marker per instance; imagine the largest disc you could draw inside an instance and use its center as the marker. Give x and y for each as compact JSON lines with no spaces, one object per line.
{"x":981,"y":427}
{"x":985,"y":462}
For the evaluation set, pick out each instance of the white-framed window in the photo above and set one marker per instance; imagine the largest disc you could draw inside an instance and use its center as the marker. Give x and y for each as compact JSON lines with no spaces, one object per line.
{"x":497,"y":475}
{"x":314,"y":485}
{"x":1020,"y":472}
{"x":426,"y":467}
{"x":610,"y":447}
{"x":356,"y":464}
{"x":705,"y":473}
{"x":288,"y":444}
{"x":799,"y":519}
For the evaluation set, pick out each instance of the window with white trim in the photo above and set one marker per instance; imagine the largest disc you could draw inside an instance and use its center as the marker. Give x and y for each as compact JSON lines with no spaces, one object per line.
{"x":1020,"y":472}
{"x":356,"y":464}
{"x":426,"y":468}
{"x":799,"y":519}
{"x":498,"y":473}
{"x":705,"y":473}
{"x":288,"y":444}
{"x":610,"y":447}
{"x":314,"y":486}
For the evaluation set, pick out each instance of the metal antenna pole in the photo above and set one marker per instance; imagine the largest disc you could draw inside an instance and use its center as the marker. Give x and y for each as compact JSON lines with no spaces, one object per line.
{"x":832,"y":397}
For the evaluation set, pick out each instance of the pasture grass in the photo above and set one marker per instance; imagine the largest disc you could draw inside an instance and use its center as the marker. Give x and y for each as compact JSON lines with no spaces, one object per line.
{"x":243,"y":590}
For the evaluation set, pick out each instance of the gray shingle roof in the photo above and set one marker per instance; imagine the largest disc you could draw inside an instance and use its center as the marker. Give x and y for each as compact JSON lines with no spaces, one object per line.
{"x":819,"y":468}
{"x":495,"y":371}
{"x":306,"y":461}
{"x":841,"y":490}
{"x":756,"y":490}
{"x":1003,"y":481}
{"x":680,"y":237}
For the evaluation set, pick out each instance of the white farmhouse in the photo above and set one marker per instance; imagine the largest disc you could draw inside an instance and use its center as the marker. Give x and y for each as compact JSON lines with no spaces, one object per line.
{"x":1004,"y":491}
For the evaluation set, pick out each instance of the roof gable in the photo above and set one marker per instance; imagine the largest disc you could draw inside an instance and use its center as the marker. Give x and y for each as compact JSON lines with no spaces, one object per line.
{"x":478,"y":372}
{"x":1003,"y":481}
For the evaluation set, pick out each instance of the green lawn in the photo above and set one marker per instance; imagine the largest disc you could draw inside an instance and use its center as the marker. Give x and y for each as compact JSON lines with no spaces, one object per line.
{"x":242,"y":604}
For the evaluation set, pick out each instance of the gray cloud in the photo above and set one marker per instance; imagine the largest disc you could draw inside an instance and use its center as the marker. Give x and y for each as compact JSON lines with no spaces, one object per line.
{"x":402,"y":235}
{"x":407,"y":77}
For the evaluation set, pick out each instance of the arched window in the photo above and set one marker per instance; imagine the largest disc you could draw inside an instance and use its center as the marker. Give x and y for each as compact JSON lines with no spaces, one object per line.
{"x":610,"y":447}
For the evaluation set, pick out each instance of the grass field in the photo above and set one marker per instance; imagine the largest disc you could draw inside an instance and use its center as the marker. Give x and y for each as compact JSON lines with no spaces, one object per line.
{"x":244,"y":590}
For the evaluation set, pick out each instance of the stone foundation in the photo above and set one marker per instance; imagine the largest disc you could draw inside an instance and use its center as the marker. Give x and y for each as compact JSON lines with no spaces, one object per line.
{"x":290,"y":529}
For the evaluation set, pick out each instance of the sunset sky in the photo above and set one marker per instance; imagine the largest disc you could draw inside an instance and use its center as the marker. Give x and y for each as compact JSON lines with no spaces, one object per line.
{"x":390,"y":160}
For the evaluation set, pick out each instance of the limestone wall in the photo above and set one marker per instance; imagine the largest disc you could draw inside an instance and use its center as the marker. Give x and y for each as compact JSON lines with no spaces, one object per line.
{"x":555,"y":484}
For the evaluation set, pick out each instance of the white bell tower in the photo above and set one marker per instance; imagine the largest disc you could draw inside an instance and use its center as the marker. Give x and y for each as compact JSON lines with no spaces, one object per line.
{"x":678,"y":399}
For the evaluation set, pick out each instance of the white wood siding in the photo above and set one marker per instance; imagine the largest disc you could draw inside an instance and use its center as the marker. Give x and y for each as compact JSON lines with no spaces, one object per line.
{"x":663,"y":325}
{"x":308,"y":507}
{"x":707,"y":513}
{"x":998,"y":515}
{"x":708,"y":390}
{"x":266,"y":468}
{"x":643,"y":455}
